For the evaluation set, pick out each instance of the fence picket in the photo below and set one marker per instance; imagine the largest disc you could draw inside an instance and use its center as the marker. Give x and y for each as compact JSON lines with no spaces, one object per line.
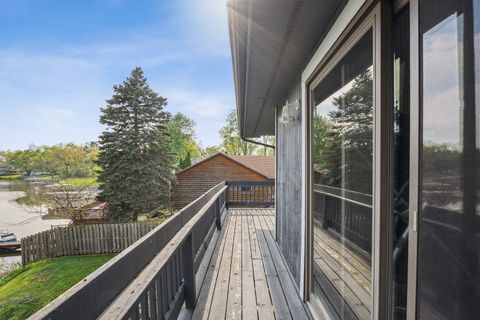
{"x":82,"y":239}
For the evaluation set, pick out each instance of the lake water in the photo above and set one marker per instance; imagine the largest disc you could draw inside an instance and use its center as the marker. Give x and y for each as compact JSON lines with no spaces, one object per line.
{"x":21,"y":219}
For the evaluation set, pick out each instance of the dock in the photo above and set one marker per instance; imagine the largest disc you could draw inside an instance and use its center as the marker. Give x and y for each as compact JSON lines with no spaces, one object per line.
{"x":10,"y":246}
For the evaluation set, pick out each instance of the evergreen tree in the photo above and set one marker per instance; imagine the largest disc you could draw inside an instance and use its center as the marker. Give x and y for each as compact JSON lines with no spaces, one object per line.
{"x":136,"y":164}
{"x":186,"y":162}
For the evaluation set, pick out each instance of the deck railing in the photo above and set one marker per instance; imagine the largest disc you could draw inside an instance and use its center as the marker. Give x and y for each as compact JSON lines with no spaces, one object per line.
{"x":152,"y":278}
{"x":251,"y":193}
{"x":169,"y":280}
{"x":345,"y":212}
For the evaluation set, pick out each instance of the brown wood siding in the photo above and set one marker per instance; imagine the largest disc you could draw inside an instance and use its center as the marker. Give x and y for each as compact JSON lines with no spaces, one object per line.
{"x":198,"y":179}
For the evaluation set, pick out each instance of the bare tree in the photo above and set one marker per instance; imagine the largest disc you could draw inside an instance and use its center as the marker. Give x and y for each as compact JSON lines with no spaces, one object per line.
{"x":69,"y":201}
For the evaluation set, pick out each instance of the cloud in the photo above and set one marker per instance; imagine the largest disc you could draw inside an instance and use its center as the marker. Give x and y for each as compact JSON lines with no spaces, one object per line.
{"x":208,"y":111}
{"x":441,"y":86}
{"x":196,"y":104}
{"x":56,"y":90}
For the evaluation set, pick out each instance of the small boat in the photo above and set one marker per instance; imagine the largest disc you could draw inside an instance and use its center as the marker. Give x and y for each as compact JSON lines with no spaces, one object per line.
{"x":7,"y":237}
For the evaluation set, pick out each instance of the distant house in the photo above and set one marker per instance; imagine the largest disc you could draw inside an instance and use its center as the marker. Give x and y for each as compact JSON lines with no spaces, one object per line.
{"x":200,"y":177}
{"x":6,"y":169}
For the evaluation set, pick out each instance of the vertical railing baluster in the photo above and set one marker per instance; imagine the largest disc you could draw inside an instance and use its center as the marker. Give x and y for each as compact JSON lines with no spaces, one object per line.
{"x":144,"y":307}
{"x":165,"y":298}
{"x":152,"y":301}
{"x":159,"y":298}
{"x":134,"y":312}
{"x":218,"y":215}
{"x":189,"y":273}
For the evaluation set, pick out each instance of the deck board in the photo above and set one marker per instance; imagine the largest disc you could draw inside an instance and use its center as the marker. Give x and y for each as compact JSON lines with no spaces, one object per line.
{"x":208,"y":284}
{"x":247,"y":278}
{"x":344,"y":271}
{"x":218,"y":306}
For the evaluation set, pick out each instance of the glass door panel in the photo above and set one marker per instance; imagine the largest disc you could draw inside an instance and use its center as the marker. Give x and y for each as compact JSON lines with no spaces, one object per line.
{"x":401,"y":166}
{"x":449,"y":219}
{"x":342,"y":173}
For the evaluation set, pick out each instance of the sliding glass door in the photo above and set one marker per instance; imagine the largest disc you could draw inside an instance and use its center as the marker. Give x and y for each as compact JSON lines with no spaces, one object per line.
{"x":448,"y":278}
{"x":359,"y":172}
{"x":342,"y":177}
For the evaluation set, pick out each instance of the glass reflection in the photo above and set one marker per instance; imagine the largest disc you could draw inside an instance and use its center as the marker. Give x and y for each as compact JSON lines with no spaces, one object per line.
{"x":342,"y":146}
{"x":449,"y":225}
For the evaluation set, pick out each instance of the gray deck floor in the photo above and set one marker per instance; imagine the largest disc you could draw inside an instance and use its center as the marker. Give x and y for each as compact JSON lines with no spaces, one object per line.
{"x":246,"y":276}
{"x":346,"y":271}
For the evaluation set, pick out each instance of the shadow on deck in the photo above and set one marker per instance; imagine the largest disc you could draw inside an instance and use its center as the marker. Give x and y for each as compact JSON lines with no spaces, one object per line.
{"x":244,"y":275}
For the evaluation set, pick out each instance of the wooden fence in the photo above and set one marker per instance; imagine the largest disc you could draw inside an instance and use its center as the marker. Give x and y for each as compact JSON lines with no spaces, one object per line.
{"x":82,"y":239}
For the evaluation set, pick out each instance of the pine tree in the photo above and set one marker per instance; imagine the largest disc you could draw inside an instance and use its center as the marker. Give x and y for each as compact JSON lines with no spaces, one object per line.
{"x":136,"y":164}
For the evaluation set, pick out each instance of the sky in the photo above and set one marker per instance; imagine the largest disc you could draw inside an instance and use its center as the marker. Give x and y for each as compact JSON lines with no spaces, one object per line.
{"x":60,"y":59}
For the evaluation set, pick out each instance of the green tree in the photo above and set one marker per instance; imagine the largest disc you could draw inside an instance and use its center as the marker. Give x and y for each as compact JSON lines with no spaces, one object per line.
{"x":26,"y":160}
{"x":326,"y":152}
{"x":348,"y":148}
{"x":264,"y":150}
{"x":209,"y":151}
{"x":186,"y":162}
{"x":182,"y":139}
{"x":231,"y":141}
{"x":135,"y":159}
{"x":69,"y":160}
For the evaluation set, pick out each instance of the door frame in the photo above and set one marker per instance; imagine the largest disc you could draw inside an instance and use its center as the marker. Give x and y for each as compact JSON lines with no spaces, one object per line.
{"x":415,"y":154}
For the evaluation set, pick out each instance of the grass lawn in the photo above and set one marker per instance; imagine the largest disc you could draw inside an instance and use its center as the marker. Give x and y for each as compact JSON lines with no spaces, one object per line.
{"x":28,"y":289}
{"x":11,"y":177}
{"x":80,"y":182}
{"x":75,"y":182}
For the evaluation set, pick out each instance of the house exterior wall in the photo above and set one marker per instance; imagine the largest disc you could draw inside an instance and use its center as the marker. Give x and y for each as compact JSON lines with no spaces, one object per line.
{"x":198,"y":179}
{"x":289,"y":187}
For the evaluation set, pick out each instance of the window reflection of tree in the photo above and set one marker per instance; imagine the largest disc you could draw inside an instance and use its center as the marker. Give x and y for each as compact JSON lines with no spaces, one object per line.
{"x":344,"y":139}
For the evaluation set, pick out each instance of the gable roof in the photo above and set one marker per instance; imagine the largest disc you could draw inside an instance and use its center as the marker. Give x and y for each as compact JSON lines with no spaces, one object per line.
{"x":263,"y":165}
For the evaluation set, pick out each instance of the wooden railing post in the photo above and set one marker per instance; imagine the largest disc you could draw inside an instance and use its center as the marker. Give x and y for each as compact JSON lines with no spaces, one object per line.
{"x":218,"y":214}
{"x":226,"y":195}
{"x":189,"y":273}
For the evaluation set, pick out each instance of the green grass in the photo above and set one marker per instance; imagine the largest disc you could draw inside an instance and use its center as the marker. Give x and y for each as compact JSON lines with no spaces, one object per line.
{"x":28,"y":289}
{"x":11,"y":177}
{"x":50,"y":177}
{"x":80,"y":182}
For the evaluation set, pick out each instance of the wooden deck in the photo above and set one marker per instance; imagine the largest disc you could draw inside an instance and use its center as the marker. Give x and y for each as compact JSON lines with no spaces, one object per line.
{"x":246,"y":277}
{"x":343,"y":275}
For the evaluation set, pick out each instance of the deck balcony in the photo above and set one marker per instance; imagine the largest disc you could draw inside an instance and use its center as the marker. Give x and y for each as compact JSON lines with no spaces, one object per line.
{"x":215,"y":259}
{"x":218,"y":259}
